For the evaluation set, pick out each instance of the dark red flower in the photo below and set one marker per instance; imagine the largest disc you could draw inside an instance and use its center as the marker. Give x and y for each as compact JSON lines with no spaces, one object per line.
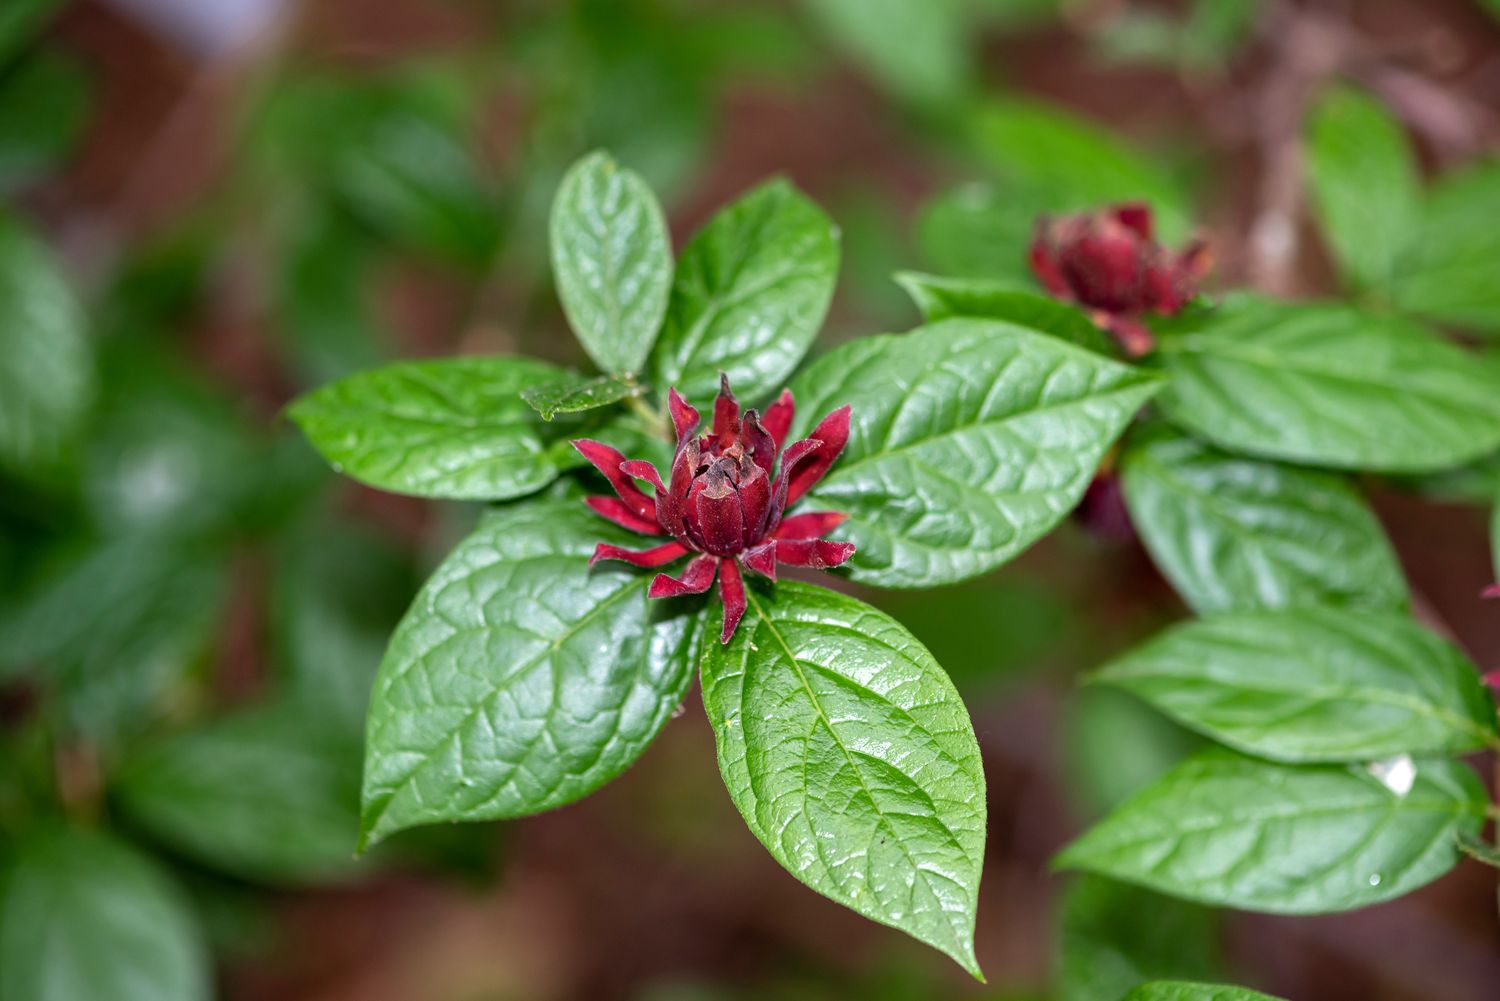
{"x":1109,"y":263}
{"x":722,"y":501}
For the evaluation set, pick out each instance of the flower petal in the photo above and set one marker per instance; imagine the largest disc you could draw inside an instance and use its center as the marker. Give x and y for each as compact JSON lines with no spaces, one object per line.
{"x":620,"y":513}
{"x":671,"y":507}
{"x":684,"y":417}
{"x":1134,"y":216}
{"x":732,"y":590}
{"x":607,"y":460}
{"x":794,"y":456}
{"x":757,"y":442}
{"x":650,"y":558}
{"x":696,"y":578}
{"x":755,"y":500}
{"x":812,"y":525}
{"x":778,"y":418}
{"x":726,"y":414}
{"x":820,"y":554}
{"x":719,"y":515}
{"x":1044,"y":262}
{"x":643,"y":470}
{"x":761,"y":559}
{"x":833,"y":432}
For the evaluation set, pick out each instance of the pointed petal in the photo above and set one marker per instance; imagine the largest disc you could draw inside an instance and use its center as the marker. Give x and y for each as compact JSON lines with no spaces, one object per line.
{"x":833,"y":432}
{"x":607,"y":460}
{"x":726,"y":414}
{"x":684,"y":416}
{"x":1133,"y":335}
{"x":719,"y":515}
{"x":643,"y":470}
{"x":797,"y":453}
{"x":813,"y":525}
{"x":671,"y":507}
{"x":619,"y":512}
{"x":1044,"y":262}
{"x":820,"y":554}
{"x":778,"y":418}
{"x":761,"y":559}
{"x":659,"y":556}
{"x":755,"y":500}
{"x":696,"y":578}
{"x":732,"y":590}
{"x":1134,"y":216}
{"x":757,"y":442}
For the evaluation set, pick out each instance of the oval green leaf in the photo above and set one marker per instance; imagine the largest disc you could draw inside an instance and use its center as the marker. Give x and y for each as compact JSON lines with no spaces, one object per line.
{"x":1313,"y":684}
{"x":521,"y":679}
{"x":1329,"y":385}
{"x":455,"y":428}
{"x":1235,"y":534}
{"x":940,"y":298}
{"x":970,"y":440}
{"x":751,"y":291}
{"x":1179,"y":990}
{"x":1225,"y":829}
{"x":852,"y":758}
{"x":1450,"y":276}
{"x":612,"y":261}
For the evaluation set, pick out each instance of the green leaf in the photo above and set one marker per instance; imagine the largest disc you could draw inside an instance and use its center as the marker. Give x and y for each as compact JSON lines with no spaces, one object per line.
{"x":923,"y":52}
{"x":851,"y":757}
{"x":324,"y":303}
{"x":1479,"y":849}
{"x":942,"y":298}
{"x":1329,"y":385}
{"x":980,"y":231}
{"x":751,"y":291}
{"x":1364,"y":185}
{"x":970,"y":440}
{"x":1313,"y":684}
{"x":1115,"y":745}
{"x":612,"y":260}
{"x":1450,"y":276}
{"x":1238,"y":534}
{"x":1495,"y":538}
{"x":84,"y":917}
{"x":1221,"y":828}
{"x":1164,"y":990}
{"x":521,"y":679}
{"x":44,"y":102}
{"x":575,"y":395}
{"x":20,"y":21}
{"x":1105,"y":948}
{"x":454,"y":428}
{"x":46,"y":367}
{"x":268,"y":794}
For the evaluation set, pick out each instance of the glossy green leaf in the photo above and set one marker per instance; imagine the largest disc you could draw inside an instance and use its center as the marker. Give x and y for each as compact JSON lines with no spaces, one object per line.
{"x":521,"y":679}
{"x":46,"y":366}
{"x":612,"y":261}
{"x":751,"y":291}
{"x":1105,"y":948}
{"x":1364,"y":185}
{"x":1176,"y":990}
{"x":574,"y":396}
{"x":1237,"y":534}
{"x":942,"y":298}
{"x":454,"y":428}
{"x":920,"y":51}
{"x":970,"y":440}
{"x":269,"y":794}
{"x":1329,"y":385}
{"x":1313,"y":684}
{"x":84,"y":917}
{"x":852,"y":758}
{"x":1225,"y":829}
{"x":1450,"y":276}
{"x":43,"y":105}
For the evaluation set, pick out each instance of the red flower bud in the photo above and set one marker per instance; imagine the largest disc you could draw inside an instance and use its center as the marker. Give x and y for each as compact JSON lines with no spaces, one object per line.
{"x":1109,"y":263}
{"x":724,"y":499}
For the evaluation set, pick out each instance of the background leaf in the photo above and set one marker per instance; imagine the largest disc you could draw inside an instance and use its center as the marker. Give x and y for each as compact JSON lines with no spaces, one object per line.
{"x":970,"y":440}
{"x":573,"y":396}
{"x":84,"y":917}
{"x":44,"y":102}
{"x":941,"y":298}
{"x":751,"y":291}
{"x":1233,"y":533}
{"x":1222,"y":828}
{"x":1364,"y":185}
{"x":520,"y":679}
{"x":612,"y":261}
{"x":1163,"y":990}
{"x":980,"y":231}
{"x":852,"y":758}
{"x":1450,"y":275}
{"x":454,"y":428}
{"x":921,"y":52}
{"x":1329,"y":385}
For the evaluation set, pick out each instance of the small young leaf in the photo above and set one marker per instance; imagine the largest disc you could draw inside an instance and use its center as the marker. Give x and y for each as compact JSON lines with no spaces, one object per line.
{"x":1239,"y":534}
{"x":1364,"y":185}
{"x":612,"y":261}
{"x":1225,"y":829}
{"x":1329,"y":385}
{"x":84,"y":917}
{"x":454,"y":428}
{"x":572,"y":396}
{"x":852,"y":758}
{"x":270,"y":794}
{"x":751,"y":291}
{"x":970,"y":440}
{"x":1105,"y":949}
{"x":942,"y":298}
{"x":1313,"y":684}
{"x":1175,"y":990}
{"x":521,"y":679}
{"x":1450,"y":277}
